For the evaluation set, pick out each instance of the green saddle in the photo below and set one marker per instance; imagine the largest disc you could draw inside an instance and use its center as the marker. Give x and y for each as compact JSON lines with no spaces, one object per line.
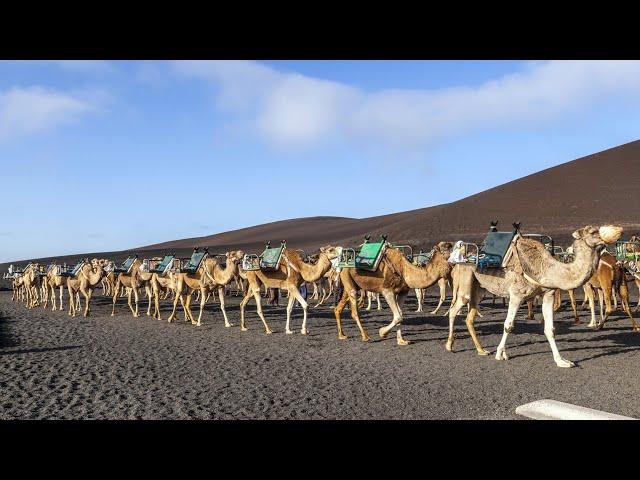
{"x":422,"y":258}
{"x":126,"y":265}
{"x":163,"y":266}
{"x":622,"y":253}
{"x":194,"y":262}
{"x":368,"y":258}
{"x":270,"y":258}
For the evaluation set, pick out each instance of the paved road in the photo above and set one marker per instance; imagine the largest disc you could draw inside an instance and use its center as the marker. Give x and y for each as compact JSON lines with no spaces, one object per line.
{"x":53,"y":366}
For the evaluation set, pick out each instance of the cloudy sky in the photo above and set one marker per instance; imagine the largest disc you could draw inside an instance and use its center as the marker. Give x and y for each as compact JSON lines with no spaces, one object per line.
{"x":112,"y":155}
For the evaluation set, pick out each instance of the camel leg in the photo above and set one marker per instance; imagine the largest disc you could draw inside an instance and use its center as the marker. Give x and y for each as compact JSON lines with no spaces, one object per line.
{"x":397,"y":317}
{"x":147,"y":290}
{"x":590,"y":298}
{"x":419,"y":298}
{"x":178,"y":296}
{"x":530,"y":309}
{"x":549,"y":331}
{"x":514,"y":305}
{"x":303,"y":303}
{"x":455,"y":307}
{"x":624,"y":300}
{"x":187,"y":312}
{"x":369,"y":294}
{"x":290,"y":301}
{"x":267,"y":330}
{"x":87,"y":299}
{"x":71,"y":305}
{"x":203,"y":299}
{"x":338,"y":312}
{"x":572,"y":298}
{"x":243,"y":303}
{"x":224,"y":312}
{"x":442,"y":285}
{"x":61,"y":290}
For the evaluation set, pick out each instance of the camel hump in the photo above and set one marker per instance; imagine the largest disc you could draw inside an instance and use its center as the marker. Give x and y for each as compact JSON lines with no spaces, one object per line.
{"x":532,"y":255}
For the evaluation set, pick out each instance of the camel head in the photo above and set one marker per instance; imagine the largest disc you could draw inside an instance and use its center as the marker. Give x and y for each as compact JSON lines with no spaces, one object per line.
{"x":235,"y":256}
{"x":596,"y":237}
{"x":330,"y":252}
{"x":444,"y":248}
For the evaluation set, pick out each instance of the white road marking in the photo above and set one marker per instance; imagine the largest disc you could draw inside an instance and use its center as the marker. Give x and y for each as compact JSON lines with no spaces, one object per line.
{"x":554,"y":410}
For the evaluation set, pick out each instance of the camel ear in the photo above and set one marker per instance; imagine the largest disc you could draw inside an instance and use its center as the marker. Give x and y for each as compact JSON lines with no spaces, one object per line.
{"x":578,"y":234}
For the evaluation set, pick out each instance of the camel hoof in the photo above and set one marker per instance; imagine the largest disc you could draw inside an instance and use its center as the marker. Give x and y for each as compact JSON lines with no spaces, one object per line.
{"x":288,"y":332}
{"x":113,"y":314}
{"x":562,"y":363}
{"x":227,"y":325}
{"x":449,"y":347}
{"x":501,"y":355}
{"x":484,"y":352}
{"x":382,"y":333}
{"x":304,"y":331}
{"x":342,"y":337}
{"x":243,"y":329}
{"x":402,"y":341}
{"x":269,"y":332}
{"x":364,"y":339}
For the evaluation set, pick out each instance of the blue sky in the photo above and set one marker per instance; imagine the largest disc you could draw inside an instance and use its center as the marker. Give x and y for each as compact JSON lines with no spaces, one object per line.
{"x":112,"y":155}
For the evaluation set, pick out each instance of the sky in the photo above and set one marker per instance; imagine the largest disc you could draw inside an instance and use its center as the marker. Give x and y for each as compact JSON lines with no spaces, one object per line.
{"x":111,"y":155}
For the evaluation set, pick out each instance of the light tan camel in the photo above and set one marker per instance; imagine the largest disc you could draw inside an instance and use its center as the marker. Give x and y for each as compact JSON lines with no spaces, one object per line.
{"x":289,"y":276}
{"x":393,"y":278}
{"x":607,"y":279}
{"x":56,"y":281}
{"x":531,"y":270}
{"x":209,"y":278}
{"x":444,"y":267}
{"x":132,"y":281}
{"x":85,"y":282}
{"x":31,"y":283}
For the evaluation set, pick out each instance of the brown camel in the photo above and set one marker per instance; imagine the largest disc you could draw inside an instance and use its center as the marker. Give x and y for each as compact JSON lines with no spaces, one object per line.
{"x":529,"y":270}
{"x":393,"y":278}
{"x":289,"y":276}
{"x":608,"y":278}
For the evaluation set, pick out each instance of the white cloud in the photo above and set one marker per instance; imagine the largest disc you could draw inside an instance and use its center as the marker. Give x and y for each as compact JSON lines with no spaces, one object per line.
{"x":25,"y":111}
{"x":289,"y":109}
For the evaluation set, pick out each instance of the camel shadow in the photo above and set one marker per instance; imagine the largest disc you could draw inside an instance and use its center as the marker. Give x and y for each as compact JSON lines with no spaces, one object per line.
{"x":6,"y":339}
{"x":41,"y":350}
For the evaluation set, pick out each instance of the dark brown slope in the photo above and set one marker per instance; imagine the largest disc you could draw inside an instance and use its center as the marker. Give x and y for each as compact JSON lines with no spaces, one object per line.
{"x":599,"y":188}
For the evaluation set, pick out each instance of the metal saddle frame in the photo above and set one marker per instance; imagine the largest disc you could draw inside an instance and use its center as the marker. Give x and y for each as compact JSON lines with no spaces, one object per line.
{"x":268,"y":260}
{"x":194,"y":262}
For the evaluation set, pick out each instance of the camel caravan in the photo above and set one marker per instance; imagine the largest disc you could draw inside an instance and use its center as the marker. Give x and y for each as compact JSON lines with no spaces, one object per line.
{"x":516,"y":267}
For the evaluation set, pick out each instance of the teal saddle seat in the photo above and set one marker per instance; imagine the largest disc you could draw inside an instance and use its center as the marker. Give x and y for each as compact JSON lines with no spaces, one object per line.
{"x":368,"y":258}
{"x":194,"y":262}
{"x":270,"y":258}
{"x":126,"y":265}
{"x":422,"y":258}
{"x":68,"y":271}
{"x":494,"y":248}
{"x":164,"y":265}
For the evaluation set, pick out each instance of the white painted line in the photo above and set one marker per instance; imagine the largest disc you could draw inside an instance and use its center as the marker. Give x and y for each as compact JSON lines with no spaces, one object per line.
{"x":554,"y":410}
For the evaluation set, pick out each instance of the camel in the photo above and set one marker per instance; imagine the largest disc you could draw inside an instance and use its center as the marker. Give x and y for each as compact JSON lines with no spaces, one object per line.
{"x":209,"y":277}
{"x":393,"y":278}
{"x":530,"y":270}
{"x":31,"y":283}
{"x":607,"y":280}
{"x":132,"y":281}
{"x":56,"y":281}
{"x":442,"y":281}
{"x":85,"y":282}
{"x":289,"y":276}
